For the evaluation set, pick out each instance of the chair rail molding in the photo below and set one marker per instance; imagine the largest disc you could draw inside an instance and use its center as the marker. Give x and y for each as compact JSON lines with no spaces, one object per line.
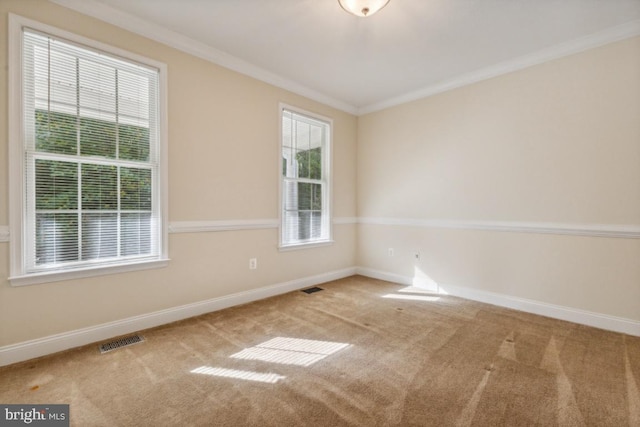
{"x":4,"y":233}
{"x":236,"y":225}
{"x":223,"y":225}
{"x":570,"y":229}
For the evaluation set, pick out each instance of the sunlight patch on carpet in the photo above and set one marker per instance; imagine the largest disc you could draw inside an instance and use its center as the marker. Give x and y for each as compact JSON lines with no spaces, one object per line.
{"x":412,"y":297}
{"x":416,"y":290}
{"x":290,"y":351}
{"x":269,"y":377}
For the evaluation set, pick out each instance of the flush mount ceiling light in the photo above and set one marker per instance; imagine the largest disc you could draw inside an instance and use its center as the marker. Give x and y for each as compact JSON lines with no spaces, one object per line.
{"x":363,"y":8}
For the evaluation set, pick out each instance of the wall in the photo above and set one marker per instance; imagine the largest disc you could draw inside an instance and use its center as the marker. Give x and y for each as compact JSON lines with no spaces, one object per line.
{"x":503,"y":185}
{"x":223,"y":166}
{"x":550,"y":149}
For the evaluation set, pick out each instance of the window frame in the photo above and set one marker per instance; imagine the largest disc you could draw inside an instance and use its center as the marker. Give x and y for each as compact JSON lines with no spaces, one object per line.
{"x":18,"y":213}
{"x":327,"y":169}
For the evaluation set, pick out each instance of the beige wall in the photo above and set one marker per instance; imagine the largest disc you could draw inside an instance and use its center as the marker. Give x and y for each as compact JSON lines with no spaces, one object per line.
{"x":558,"y":142}
{"x":555,"y":143}
{"x":223,"y":165}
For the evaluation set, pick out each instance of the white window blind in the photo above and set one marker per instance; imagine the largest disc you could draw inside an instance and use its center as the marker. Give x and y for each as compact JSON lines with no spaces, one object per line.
{"x":91,"y":157}
{"x":305,"y":179}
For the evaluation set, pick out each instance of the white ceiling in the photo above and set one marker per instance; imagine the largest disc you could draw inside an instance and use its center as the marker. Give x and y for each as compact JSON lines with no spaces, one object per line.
{"x":409,"y":49}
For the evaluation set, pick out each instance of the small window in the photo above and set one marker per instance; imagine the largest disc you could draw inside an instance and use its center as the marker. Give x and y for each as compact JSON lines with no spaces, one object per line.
{"x":305,"y":184}
{"x":89,"y":147}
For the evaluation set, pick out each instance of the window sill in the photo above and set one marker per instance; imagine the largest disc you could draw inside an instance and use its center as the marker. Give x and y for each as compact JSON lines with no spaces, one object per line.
{"x":309,"y":245}
{"x":79,"y":273}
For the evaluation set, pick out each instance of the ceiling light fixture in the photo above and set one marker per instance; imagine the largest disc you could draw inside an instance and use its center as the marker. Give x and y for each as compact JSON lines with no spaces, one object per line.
{"x":362,"y":8}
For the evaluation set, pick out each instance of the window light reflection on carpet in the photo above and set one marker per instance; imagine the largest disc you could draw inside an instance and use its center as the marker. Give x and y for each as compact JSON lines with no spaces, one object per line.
{"x":416,"y":290}
{"x":412,"y":297}
{"x":269,"y":377}
{"x":291,"y":351}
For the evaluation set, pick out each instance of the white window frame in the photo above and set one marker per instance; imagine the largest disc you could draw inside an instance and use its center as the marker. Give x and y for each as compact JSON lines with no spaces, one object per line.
{"x":327,"y":162}
{"x":18,"y":213}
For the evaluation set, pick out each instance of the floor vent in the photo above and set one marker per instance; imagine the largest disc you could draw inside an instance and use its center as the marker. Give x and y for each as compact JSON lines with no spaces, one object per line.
{"x":121,"y":342}
{"x":312,"y":290}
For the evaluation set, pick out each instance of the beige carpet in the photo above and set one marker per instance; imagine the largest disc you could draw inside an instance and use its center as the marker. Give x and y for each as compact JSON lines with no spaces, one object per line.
{"x":362,"y":352}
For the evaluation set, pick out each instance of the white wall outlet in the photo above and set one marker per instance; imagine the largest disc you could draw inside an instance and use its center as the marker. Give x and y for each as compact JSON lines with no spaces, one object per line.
{"x":416,"y":255}
{"x":390,"y":251}
{"x":253,"y":263}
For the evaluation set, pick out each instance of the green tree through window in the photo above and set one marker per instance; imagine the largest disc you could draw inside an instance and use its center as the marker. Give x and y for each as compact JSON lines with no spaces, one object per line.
{"x":305,"y":144}
{"x":88,"y":155}
{"x":107,"y":194}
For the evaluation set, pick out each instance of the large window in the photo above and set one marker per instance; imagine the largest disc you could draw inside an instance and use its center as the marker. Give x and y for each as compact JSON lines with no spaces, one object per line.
{"x":89,"y":150}
{"x":305,"y":185}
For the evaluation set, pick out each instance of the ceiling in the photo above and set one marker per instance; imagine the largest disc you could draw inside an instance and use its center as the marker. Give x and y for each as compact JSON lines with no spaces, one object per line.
{"x":410,"y":49}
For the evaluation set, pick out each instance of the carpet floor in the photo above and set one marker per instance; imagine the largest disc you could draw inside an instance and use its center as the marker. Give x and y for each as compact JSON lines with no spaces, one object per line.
{"x":362,"y":352}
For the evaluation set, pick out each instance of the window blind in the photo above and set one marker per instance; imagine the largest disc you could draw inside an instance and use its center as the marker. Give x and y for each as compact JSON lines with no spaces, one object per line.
{"x":305,"y":217}
{"x":91,"y":156}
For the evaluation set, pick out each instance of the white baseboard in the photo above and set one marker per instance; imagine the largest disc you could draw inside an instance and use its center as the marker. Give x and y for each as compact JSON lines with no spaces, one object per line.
{"x":583,"y":317}
{"x":384,"y":275}
{"x":54,"y":343}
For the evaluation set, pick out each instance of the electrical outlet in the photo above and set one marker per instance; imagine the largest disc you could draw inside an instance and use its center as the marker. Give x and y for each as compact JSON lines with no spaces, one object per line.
{"x":253,"y":263}
{"x":390,"y":251}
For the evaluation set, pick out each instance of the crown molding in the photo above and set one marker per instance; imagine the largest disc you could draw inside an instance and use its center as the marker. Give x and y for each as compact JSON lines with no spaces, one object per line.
{"x":178,"y":41}
{"x":201,"y":50}
{"x":614,"y":34}
{"x":587,"y":230}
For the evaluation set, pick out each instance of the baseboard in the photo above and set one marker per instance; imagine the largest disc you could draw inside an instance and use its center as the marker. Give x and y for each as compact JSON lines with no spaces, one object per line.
{"x":583,"y":317}
{"x":384,"y":275}
{"x":54,"y":343}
